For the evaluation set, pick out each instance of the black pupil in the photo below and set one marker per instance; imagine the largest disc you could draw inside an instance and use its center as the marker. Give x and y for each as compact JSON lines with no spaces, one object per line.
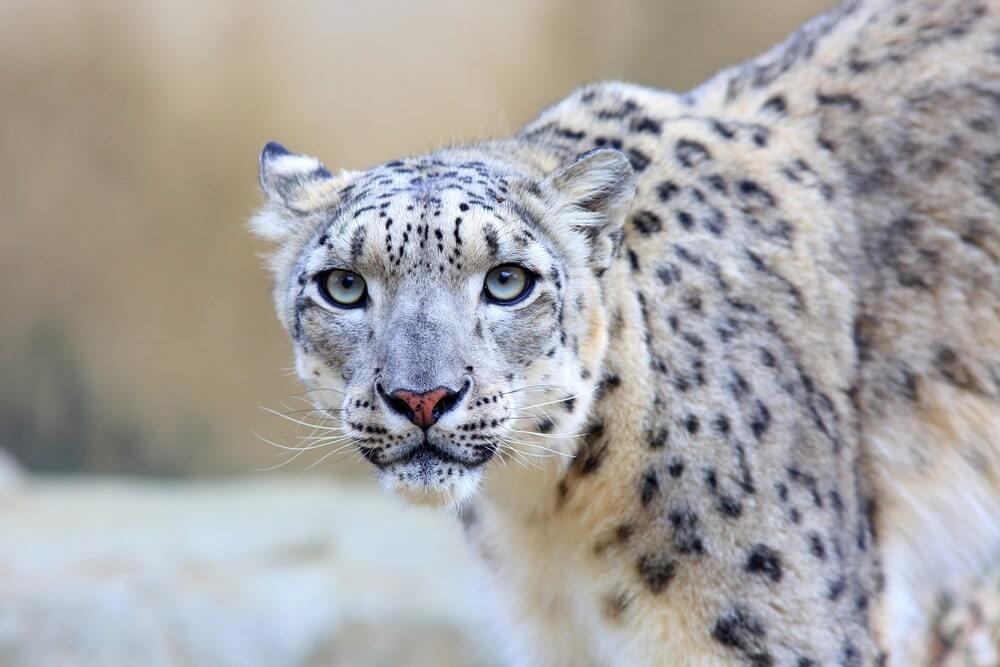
{"x":505,"y":276}
{"x":347,"y":282}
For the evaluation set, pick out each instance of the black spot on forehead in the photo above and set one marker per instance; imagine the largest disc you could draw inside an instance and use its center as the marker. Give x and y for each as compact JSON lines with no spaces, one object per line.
{"x":491,"y":238}
{"x":357,"y":244}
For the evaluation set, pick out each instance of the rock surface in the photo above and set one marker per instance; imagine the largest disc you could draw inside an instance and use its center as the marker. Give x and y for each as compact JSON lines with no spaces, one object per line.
{"x":272,"y":572}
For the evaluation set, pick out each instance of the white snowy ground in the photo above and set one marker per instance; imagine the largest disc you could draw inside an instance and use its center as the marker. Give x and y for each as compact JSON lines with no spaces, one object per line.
{"x":266,"y":571}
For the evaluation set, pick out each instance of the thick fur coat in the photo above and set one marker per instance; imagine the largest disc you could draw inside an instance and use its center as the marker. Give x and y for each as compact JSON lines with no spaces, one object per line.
{"x":749,"y":412}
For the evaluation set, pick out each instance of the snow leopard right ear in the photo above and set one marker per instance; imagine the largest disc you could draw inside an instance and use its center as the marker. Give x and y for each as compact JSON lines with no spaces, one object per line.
{"x":295,"y":186}
{"x":592,"y":194}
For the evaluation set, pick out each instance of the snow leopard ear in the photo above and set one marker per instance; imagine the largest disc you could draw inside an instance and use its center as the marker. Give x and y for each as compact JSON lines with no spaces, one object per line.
{"x":593,"y":193}
{"x":295,"y":185}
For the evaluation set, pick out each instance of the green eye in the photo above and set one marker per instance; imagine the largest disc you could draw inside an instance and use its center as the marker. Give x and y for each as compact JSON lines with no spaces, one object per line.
{"x":508,"y":284}
{"x":344,"y":289}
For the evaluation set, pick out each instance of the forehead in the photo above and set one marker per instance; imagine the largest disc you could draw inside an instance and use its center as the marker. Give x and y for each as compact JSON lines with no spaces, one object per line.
{"x":427,"y":215}
{"x":428,"y":181}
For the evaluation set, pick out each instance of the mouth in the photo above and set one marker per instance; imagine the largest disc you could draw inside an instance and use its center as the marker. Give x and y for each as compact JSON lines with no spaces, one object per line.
{"x":428,"y":474}
{"x":425,"y":456}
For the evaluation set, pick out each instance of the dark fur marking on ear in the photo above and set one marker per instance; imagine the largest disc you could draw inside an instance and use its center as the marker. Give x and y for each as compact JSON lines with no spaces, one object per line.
{"x":274,"y":149}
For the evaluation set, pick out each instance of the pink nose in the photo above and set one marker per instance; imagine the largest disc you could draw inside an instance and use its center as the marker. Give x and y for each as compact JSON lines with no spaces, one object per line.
{"x":423,"y":409}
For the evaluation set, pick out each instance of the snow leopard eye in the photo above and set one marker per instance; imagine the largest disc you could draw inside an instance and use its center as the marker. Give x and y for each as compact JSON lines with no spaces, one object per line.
{"x":508,"y":284}
{"x":344,"y":289}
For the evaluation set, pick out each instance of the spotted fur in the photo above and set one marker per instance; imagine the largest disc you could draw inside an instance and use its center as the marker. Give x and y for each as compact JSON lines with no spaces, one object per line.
{"x":765,"y":332}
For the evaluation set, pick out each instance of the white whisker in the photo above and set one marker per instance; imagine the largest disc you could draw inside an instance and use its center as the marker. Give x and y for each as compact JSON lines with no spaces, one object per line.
{"x":517,"y":454}
{"x":297,"y":421}
{"x":336,"y":451}
{"x":335,"y":391}
{"x":560,"y":400}
{"x":547,"y":435}
{"x":322,"y":437}
{"x":535,"y":387}
{"x":320,"y":410}
{"x":330,"y":441}
{"x":552,"y":452}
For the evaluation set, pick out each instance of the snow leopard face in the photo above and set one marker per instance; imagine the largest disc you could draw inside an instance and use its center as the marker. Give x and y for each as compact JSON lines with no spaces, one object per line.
{"x":446,"y":311}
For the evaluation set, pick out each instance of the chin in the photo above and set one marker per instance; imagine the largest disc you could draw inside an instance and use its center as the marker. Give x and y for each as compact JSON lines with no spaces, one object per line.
{"x":431,"y":482}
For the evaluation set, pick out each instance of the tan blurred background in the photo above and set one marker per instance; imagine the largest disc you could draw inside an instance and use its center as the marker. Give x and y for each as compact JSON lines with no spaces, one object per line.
{"x":136,"y":334}
{"x":137,"y":341}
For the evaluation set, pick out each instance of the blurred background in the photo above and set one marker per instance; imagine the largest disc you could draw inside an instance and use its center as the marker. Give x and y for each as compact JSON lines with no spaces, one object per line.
{"x":137,"y":341}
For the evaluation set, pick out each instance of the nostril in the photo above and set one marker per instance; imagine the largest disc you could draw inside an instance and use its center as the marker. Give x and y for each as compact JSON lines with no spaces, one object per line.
{"x":445,"y":404}
{"x":395,"y":402}
{"x":400,"y":406}
{"x":423,"y":408}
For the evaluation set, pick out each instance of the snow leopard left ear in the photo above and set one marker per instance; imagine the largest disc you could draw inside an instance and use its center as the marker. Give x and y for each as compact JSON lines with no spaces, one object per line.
{"x":295,"y":185}
{"x":593,"y":193}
